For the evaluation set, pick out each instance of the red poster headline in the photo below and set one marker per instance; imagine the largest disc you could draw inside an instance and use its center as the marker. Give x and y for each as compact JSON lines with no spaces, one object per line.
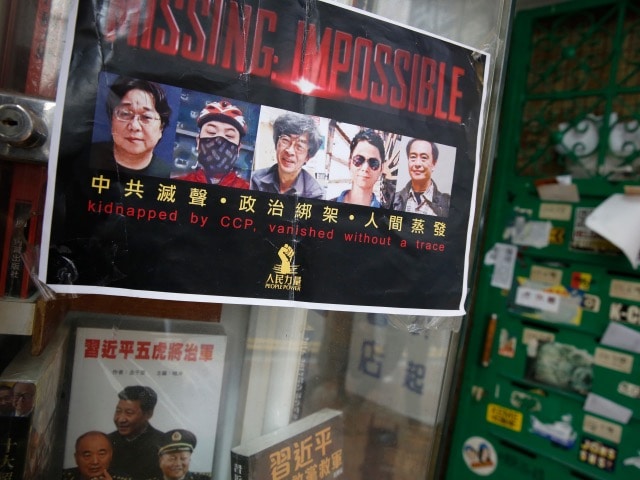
{"x":327,"y":63}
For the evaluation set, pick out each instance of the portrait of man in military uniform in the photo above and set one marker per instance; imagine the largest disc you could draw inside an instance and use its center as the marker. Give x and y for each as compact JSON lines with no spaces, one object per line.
{"x":174,"y":457}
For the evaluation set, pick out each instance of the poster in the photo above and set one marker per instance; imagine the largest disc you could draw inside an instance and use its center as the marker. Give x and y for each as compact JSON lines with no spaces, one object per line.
{"x":289,"y":153}
{"x":140,"y":390}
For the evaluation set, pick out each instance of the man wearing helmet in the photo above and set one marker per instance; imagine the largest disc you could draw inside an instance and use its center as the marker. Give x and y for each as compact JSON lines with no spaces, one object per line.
{"x":221,"y":127}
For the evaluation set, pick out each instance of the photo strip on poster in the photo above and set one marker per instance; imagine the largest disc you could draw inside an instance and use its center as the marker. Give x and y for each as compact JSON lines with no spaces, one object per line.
{"x":327,"y":167}
{"x":297,"y":166}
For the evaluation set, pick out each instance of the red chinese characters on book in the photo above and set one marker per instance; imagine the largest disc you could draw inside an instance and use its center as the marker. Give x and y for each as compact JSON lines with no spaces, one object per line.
{"x":147,"y":350}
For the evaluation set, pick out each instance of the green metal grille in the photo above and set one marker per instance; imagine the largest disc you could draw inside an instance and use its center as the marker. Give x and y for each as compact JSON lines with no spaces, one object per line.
{"x":571,"y":53}
{"x":579,"y":113}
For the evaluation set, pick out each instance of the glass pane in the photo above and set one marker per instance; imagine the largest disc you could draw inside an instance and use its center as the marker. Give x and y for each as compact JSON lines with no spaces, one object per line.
{"x":386,"y":374}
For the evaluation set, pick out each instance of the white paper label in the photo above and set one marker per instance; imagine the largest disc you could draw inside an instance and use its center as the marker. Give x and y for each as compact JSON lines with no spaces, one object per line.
{"x":555,"y":211}
{"x":602,"y":428}
{"x":629,"y":389}
{"x":505,"y":263}
{"x":620,"y":362}
{"x":529,"y":334}
{"x":625,"y":289}
{"x":545,"y":301}
{"x":542,"y":274}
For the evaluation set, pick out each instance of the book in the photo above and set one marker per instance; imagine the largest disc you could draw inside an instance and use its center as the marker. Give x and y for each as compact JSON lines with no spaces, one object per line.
{"x":144,"y":384}
{"x":47,"y":47}
{"x":311,"y":447}
{"x":23,"y":229}
{"x":6,"y":169}
{"x":28,"y":431}
{"x":35,"y":71}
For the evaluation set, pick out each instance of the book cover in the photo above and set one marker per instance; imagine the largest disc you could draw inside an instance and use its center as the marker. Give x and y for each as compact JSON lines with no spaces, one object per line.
{"x":14,"y":439}
{"x":308,"y":448}
{"x":147,"y":393}
{"x":23,"y":228}
{"x":29,"y":426}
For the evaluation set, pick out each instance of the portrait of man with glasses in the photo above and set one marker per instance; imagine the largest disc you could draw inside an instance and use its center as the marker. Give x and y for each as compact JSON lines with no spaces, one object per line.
{"x":297,"y":139}
{"x":24,"y":395}
{"x":138,"y":111}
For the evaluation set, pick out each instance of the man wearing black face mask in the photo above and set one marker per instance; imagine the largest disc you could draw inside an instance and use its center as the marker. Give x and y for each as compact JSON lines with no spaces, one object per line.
{"x":222,"y":126}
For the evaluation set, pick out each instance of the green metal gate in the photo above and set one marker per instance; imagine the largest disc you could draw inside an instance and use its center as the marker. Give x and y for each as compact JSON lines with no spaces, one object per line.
{"x":538,"y":371}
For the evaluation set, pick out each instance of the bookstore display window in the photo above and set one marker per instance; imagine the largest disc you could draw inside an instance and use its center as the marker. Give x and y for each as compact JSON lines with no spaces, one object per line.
{"x":388,"y":375}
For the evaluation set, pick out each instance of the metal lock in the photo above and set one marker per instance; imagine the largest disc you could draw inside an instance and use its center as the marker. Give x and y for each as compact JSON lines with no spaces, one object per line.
{"x":25,"y":125}
{"x":20,"y":128}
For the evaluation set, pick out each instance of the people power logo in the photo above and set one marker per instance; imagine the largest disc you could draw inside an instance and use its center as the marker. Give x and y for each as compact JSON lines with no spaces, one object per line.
{"x":284,"y":275}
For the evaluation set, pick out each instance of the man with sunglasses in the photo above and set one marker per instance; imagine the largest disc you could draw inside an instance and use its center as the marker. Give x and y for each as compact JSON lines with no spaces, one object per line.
{"x":421,"y":195}
{"x":365,"y":164}
{"x":296,"y":139}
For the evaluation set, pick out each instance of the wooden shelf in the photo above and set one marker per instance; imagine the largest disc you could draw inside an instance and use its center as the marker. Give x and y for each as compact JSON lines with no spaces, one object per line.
{"x":40,"y":318}
{"x":33,"y":317}
{"x":173,"y":309}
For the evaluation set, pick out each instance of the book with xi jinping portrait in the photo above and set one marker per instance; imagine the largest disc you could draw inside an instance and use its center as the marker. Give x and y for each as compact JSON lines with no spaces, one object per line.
{"x":138,"y":380}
